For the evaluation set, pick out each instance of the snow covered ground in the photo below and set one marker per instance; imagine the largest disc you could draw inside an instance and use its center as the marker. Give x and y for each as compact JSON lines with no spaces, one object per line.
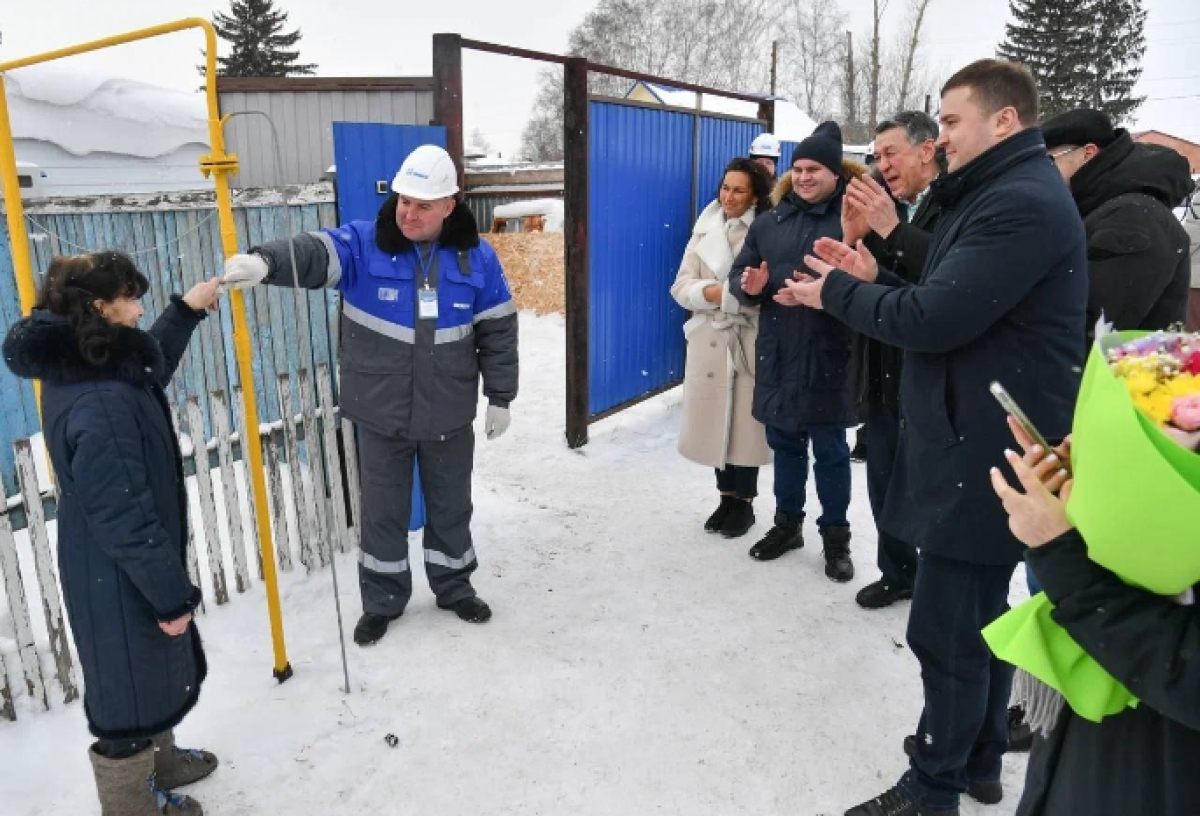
{"x":635,"y":665}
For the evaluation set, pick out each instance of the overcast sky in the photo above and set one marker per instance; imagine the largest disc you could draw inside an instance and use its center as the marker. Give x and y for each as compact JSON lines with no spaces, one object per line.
{"x":393,"y":38}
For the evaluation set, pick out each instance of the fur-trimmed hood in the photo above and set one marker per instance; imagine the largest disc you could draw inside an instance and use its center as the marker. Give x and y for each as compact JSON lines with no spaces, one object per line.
{"x":850,"y":170}
{"x":458,"y":232}
{"x":44,"y":346}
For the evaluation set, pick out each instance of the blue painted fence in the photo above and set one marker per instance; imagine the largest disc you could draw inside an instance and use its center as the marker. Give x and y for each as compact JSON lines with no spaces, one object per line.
{"x":177,"y":248}
{"x":643,"y":168}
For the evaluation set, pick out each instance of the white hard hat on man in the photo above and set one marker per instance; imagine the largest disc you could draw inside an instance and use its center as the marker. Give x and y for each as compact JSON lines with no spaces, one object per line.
{"x":428,"y":174}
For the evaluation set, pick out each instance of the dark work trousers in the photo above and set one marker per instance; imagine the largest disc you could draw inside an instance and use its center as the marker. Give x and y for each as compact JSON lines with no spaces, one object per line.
{"x":963,"y":731}
{"x":831,"y":468}
{"x":897,"y":559}
{"x":738,"y":480}
{"x":386,"y":468}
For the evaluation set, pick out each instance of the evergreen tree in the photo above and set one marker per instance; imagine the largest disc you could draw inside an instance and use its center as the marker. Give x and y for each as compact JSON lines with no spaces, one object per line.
{"x":1083,"y":54}
{"x":260,"y":46}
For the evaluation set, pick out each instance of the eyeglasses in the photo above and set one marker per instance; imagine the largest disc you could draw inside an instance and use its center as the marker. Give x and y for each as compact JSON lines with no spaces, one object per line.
{"x":1061,"y":153}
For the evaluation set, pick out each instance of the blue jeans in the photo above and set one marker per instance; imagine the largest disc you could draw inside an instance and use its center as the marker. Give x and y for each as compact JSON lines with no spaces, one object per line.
{"x":963,"y":731}
{"x":831,"y":468}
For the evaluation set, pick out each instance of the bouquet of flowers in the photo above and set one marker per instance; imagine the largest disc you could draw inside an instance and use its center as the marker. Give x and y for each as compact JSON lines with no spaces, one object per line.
{"x":1136,"y":502}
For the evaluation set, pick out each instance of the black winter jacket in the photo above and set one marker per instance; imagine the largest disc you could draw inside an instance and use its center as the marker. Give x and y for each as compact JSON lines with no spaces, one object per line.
{"x":1138,"y":261}
{"x":122,"y":516}
{"x":904,"y":253}
{"x":803,"y":372}
{"x":1002,"y":297}
{"x":1141,"y":762}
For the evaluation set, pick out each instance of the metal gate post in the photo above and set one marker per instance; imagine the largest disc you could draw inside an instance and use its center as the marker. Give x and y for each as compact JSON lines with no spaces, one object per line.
{"x":447,"y":96}
{"x":575,"y":156}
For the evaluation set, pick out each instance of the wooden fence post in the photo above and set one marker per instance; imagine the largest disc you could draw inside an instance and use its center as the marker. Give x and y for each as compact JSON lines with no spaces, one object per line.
{"x":56,"y":624}
{"x":208,"y":505}
{"x":18,"y":608}
{"x":233,"y":504}
{"x":278,"y":502}
{"x":314,"y":488}
{"x":304,"y":530}
{"x":333,"y":465}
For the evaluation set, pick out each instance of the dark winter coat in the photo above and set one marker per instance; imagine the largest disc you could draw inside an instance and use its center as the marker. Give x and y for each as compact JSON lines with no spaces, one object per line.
{"x":803,"y":369}
{"x":402,"y":376}
{"x":1141,"y":762}
{"x":122,"y":516}
{"x":904,"y":253}
{"x":1002,"y":297}
{"x":1138,"y":260}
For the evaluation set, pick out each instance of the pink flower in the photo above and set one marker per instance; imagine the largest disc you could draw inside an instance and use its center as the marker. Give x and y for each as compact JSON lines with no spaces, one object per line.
{"x":1185,"y":413}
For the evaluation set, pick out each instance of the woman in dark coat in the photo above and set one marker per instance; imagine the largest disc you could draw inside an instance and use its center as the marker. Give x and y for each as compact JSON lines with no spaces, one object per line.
{"x":122,"y":518}
{"x":1141,"y":762}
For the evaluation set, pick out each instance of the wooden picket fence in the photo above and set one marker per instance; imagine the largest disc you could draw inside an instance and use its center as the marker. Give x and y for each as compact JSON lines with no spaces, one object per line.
{"x":310,"y":464}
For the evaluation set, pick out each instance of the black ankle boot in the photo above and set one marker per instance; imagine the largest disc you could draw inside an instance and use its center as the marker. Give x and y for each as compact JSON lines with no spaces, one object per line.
{"x":717,"y":519}
{"x":838,"y":566}
{"x":783,"y":537}
{"x":740,"y":519}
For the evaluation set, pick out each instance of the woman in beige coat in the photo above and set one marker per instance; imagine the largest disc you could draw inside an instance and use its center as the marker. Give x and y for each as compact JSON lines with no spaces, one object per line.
{"x":718,"y":382}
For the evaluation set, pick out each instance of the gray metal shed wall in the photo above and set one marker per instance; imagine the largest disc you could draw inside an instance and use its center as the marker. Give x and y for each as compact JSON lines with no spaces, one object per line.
{"x":305,"y":120}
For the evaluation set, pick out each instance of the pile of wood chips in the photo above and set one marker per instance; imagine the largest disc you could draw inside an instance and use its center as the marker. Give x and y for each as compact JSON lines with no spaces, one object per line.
{"x":534,"y":265}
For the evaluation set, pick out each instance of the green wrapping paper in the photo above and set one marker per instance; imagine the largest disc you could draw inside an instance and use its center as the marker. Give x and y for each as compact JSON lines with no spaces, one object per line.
{"x":1136,"y":502}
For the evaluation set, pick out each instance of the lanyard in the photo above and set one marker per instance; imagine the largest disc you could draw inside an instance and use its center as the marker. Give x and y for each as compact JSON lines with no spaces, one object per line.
{"x":426,"y":265}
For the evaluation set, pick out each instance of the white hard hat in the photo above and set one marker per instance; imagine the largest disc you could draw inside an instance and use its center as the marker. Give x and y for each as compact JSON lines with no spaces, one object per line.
{"x":765,"y":145}
{"x":428,"y":174}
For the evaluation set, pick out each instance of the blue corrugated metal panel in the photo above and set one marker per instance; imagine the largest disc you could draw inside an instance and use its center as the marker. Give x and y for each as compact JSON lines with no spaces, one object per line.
{"x":175,"y":249}
{"x":370,"y":153}
{"x":721,"y":140}
{"x":639,"y":221}
{"x":785,"y":156}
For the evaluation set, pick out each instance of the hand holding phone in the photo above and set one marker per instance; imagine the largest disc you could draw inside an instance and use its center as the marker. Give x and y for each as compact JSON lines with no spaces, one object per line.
{"x":1022,"y":421}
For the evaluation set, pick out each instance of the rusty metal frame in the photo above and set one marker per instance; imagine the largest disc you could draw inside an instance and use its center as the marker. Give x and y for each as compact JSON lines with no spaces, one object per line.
{"x":448,"y":112}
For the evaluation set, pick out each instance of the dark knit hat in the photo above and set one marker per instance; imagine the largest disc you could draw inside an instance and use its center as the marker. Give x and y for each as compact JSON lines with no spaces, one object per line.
{"x":1079,"y":127}
{"x":824,"y":146}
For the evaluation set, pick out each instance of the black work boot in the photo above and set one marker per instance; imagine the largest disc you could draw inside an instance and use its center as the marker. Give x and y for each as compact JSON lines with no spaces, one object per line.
{"x":740,"y":519}
{"x":781,"y":538}
{"x":472,"y":610}
{"x":882,"y":594}
{"x":838,"y":566}
{"x":717,"y":519}
{"x":371,"y":628}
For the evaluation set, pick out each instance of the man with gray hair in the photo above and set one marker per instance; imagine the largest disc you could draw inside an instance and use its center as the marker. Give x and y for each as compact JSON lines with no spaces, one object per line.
{"x":908,"y":161}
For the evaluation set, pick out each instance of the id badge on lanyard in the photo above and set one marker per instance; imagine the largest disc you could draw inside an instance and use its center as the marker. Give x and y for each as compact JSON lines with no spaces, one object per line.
{"x":427,"y":298}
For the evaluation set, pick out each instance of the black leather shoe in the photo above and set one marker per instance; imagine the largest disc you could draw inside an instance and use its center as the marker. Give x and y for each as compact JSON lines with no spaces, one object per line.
{"x":717,"y":519}
{"x":1020,"y":735}
{"x":882,"y":594}
{"x":895,"y":803}
{"x":472,"y":610}
{"x":371,"y":628}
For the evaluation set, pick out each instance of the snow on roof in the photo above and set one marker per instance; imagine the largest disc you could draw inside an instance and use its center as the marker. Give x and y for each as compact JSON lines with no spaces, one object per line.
{"x":791,"y":123}
{"x":88,"y":113}
{"x":552,"y":208}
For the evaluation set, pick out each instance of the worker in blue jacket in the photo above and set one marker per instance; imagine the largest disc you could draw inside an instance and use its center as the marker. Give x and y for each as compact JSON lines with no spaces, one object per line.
{"x":426,"y":310}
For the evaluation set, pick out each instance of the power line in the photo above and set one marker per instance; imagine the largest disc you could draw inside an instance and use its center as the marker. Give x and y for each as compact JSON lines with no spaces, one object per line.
{"x":1164,"y":98}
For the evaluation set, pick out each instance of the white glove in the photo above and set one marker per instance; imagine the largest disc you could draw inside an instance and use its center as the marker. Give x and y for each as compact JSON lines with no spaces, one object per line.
{"x":496,"y":422}
{"x":244,"y":271}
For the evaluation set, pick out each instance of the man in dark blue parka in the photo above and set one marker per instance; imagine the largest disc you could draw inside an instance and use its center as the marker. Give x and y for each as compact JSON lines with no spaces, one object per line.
{"x":1001,"y":298}
{"x":802,"y":388}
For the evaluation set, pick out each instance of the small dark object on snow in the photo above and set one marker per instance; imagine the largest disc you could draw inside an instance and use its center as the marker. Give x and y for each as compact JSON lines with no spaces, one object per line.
{"x":392,"y":740}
